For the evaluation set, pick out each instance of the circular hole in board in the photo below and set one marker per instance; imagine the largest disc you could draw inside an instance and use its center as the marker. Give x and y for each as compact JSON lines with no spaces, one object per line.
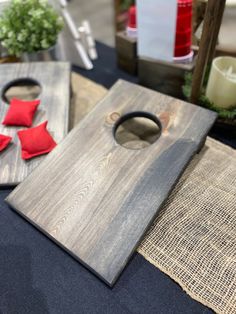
{"x":137,"y":130}
{"x":23,"y":88}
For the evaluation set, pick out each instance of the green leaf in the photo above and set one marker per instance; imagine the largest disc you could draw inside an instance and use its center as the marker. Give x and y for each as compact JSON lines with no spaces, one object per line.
{"x":29,"y":26}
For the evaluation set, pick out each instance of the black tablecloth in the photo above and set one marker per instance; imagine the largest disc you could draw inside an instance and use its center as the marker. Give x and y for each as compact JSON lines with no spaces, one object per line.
{"x":36,"y":276}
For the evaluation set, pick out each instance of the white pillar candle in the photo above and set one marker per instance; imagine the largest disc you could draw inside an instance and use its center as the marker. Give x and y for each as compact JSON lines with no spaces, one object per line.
{"x":221,"y":87}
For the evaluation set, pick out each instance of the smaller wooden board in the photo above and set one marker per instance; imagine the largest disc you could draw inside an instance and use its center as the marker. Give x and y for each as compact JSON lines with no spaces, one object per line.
{"x":96,"y":198}
{"x":54,"y":80}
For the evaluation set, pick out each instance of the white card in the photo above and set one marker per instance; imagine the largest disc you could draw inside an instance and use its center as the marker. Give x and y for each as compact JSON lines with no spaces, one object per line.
{"x":156,"y":28}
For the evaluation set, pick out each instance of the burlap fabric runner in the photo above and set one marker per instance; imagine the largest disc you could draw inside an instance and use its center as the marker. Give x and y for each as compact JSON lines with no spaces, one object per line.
{"x":193,"y":239}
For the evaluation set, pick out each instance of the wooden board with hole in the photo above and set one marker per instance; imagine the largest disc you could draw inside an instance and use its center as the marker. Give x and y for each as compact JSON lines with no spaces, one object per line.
{"x":96,"y":198}
{"x":53,"y":81}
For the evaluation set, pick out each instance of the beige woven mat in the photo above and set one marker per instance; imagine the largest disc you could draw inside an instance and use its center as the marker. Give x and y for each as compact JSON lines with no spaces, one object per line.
{"x":85,"y":95}
{"x":193,"y":239}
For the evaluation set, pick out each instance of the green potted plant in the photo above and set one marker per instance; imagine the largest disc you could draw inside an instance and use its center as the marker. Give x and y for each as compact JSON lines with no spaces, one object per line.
{"x":29,"y":27}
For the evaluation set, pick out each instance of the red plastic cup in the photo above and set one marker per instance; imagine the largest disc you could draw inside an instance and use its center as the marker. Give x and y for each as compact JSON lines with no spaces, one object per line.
{"x":132,"y":17}
{"x":183,"y":40}
{"x":131,"y":28}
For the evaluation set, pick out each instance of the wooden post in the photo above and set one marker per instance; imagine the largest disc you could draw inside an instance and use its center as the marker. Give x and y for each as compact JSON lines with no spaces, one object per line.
{"x":199,"y":9}
{"x":211,"y":26}
{"x":221,"y":7}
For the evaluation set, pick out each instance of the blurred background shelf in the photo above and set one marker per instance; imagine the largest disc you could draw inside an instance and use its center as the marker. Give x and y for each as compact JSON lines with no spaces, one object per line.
{"x":101,"y":15}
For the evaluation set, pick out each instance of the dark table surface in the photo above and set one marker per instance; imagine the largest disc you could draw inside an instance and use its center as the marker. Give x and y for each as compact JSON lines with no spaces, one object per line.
{"x":36,"y":276}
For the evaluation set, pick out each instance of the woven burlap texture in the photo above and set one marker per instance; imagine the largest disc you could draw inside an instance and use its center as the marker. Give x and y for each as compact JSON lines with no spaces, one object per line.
{"x":193,"y":239}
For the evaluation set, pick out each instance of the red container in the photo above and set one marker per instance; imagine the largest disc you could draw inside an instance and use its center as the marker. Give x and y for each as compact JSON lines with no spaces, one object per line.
{"x":183,"y":28}
{"x":132,"y":17}
{"x":131,"y":28}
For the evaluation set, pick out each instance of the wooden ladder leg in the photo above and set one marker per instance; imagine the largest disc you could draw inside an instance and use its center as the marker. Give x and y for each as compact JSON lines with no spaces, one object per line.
{"x":211,"y":27}
{"x":220,"y":12}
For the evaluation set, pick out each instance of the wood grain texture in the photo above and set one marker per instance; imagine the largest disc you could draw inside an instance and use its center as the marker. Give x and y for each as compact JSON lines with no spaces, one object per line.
{"x":96,"y":198}
{"x":54,"y":79}
{"x":126,"y":50}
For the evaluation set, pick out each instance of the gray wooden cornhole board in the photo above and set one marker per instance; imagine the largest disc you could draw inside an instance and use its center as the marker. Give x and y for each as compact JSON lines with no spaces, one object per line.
{"x":96,"y":198}
{"x":54,"y":79}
